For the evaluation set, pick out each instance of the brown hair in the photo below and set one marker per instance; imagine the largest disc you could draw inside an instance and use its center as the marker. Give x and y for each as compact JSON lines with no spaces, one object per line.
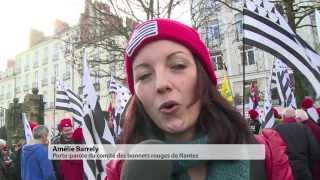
{"x":217,"y":118}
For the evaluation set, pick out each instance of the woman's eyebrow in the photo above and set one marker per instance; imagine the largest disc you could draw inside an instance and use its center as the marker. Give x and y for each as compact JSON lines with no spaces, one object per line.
{"x":142,"y":65}
{"x":174,"y":53}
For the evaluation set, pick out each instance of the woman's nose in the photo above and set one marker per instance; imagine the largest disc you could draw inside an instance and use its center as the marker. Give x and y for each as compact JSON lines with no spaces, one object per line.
{"x":163,"y":83}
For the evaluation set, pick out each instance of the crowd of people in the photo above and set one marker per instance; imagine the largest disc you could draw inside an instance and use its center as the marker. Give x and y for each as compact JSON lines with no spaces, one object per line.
{"x":300,"y":130}
{"x":175,"y":100}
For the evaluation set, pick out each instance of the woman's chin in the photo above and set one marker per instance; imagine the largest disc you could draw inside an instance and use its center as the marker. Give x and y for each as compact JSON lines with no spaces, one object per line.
{"x":173,"y":127}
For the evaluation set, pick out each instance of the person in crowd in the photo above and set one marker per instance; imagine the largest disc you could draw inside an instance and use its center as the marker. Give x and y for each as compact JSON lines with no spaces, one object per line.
{"x":307,"y":104}
{"x":302,"y":117}
{"x":65,"y":128}
{"x":175,"y":100}
{"x":254,"y":124}
{"x":302,"y":147}
{"x":35,"y":164}
{"x":289,"y":115}
{"x":2,"y":145}
{"x":17,"y":157}
{"x":72,"y":169}
{"x":7,"y":165}
{"x":276,"y":116}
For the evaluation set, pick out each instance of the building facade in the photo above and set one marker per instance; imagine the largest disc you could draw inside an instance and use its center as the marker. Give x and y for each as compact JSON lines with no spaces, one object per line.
{"x":56,"y":58}
{"x":221,"y":29}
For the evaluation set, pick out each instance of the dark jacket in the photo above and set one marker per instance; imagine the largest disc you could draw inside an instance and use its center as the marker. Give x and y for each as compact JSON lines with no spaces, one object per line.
{"x":302,"y":148}
{"x":35,"y":164}
{"x":315,"y":129}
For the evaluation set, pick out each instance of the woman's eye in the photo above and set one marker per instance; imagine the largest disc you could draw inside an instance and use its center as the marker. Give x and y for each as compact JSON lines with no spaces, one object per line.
{"x":143,"y":77}
{"x":179,"y":66}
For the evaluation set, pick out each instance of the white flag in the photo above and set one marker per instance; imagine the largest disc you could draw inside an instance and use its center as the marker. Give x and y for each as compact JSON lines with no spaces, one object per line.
{"x":317,"y":14}
{"x":27,"y":128}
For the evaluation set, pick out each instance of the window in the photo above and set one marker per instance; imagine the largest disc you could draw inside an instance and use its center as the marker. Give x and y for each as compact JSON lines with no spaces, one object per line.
{"x":249,"y":57}
{"x":66,"y":74}
{"x":45,"y":55}
{"x":239,"y":25}
{"x":35,"y":62}
{"x":36,"y":79}
{"x":9,"y":91}
{"x":56,"y":70}
{"x":18,"y":65}
{"x":55,"y":52}
{"x":26,"y":83}
{"x":55,"y":75}
{"x":213,"y":30}
{"x":17,"y":84}
{"x":217,"y":62}
{"x":26,"y":65}
{"x":209,"y":5}
{"x":45,"y":77}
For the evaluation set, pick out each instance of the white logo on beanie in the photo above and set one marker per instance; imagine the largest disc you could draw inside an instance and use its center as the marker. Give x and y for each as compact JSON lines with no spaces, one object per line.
{"x":147,"y":29}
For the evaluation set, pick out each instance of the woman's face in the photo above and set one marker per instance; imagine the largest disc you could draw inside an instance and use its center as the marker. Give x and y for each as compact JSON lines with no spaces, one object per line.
{"x":165,"y":79}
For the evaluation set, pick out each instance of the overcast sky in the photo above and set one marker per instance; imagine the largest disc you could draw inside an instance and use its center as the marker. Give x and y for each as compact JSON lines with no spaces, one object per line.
{"x":18,"y":17}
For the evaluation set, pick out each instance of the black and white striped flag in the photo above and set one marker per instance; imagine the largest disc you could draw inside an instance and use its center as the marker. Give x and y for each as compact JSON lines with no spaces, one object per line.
{"x":66,"y":99}
{"x":265,"y":28}
{"x":113,"y":85}
{"x":122,"y":97}
{"x":268,"y":120}
{"x":95,"y":128}
{"x":284,"y":84}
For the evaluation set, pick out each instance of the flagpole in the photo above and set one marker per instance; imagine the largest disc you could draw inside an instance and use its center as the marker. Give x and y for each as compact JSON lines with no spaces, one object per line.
{"x":54,"y":104}
{"x":243,"y":72}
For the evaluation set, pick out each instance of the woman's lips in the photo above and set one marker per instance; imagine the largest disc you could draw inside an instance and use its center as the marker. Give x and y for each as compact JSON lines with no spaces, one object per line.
{"x":168,"y":107}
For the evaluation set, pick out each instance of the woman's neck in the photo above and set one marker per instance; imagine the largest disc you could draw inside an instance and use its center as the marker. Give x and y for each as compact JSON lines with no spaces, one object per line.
{"x":182,"y":137}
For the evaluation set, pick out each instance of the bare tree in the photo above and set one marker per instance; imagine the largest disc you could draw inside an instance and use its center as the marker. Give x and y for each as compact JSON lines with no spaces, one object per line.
{"x":107,"y":25}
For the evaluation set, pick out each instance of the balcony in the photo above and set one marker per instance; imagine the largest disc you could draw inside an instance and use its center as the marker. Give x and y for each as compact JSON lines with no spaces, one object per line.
{"x":18,"y":90}
{"x":34,"y":85}
{"x":18,"y":70}
{"x":8,"y":95}
{"x":36,"y":64}
{"x":55,"y":57}
{"x":26,"y":68}
{"x":45,"y":61}
{"x":66,"y":76}
{"x":26,"y":88}
{"x":53,"y":79}
{"x":44,"y":82}
{"x":238,"y":36}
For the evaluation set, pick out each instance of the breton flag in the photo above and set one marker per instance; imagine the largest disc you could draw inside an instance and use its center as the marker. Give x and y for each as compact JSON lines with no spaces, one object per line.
{"x":284,"y":84}
{"x":27,"y":128}
{"x":122,"y":97}
{"x":112,"y":85}
{"x":95,"y":128}
{"x":265,"y":28}
{"x":268,"y":120}
{"x":67,"y":100}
